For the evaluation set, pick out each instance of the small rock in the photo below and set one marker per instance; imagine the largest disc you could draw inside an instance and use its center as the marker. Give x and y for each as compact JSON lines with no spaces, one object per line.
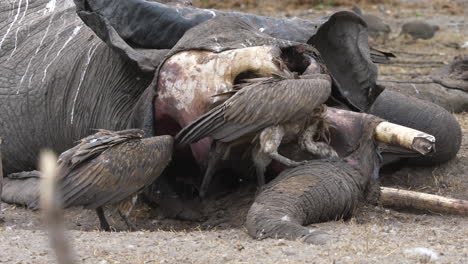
{"x":424,"y":253}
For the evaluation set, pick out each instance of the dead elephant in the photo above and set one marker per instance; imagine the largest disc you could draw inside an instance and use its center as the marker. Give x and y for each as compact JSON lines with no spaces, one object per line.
{"x":119,"y":73}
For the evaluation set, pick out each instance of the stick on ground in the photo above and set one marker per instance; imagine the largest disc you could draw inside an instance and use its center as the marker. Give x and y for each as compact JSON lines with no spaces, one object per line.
{"x":51,"y":208}
{"x":391,"y":197}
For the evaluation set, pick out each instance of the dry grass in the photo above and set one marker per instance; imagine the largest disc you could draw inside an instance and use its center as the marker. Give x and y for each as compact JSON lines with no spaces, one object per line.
{"x":452,"y":7}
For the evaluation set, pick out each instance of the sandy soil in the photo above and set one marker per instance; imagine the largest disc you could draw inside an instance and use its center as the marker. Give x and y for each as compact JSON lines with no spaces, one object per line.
{"x":374,"y":234}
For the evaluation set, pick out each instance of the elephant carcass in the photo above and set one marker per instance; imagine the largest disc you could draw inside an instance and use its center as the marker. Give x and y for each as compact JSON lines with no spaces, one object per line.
{"x":59,"y":81}
{"x":324,"y":190}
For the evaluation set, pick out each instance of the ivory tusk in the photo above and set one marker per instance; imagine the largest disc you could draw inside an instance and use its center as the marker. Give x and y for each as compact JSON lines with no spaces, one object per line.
{"x":391,"y":197}
{"x":406,"y":137}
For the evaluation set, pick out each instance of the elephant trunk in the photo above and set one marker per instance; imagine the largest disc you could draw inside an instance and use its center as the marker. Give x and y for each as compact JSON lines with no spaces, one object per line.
{"x":316,"y":192}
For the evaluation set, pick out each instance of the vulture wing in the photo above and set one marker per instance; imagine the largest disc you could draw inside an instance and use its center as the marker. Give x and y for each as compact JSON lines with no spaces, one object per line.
{"x":257,"y":106}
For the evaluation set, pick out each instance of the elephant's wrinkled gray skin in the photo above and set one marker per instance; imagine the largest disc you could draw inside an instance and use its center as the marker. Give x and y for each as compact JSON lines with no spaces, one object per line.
{"x":320,"y":190}
{"x":58,"y":82}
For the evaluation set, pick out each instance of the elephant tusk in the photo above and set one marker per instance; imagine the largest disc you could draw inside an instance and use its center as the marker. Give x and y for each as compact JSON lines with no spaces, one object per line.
{"x":406,"y":137}
{"x":391,"y":197}
{"x":50,"y":206}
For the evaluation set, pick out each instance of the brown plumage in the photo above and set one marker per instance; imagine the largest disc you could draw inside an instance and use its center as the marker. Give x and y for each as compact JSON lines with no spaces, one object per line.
{"x":267,"y":109}
{"x":110,"y":168}
{"x":269,"y":102}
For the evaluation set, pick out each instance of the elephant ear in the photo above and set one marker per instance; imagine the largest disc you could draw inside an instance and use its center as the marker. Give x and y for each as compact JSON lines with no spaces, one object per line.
{"x":126,"y":27}
{"x":343,"y":43}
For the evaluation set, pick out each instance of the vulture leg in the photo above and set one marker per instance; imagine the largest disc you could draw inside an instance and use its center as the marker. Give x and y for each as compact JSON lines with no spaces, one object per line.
{"x":261,"y":162}
{"x":216,"y":153}
{"x":102,"y":219}
{"x":319,"y":149}
{"x":270,"y":140}
{"x":124,"y":208}
{"x":126,"y":217}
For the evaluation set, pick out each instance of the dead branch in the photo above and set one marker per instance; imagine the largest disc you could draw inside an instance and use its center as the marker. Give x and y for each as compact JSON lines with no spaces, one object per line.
{"x":419,"y":66}
{"x":408,"y":81}
{"x":416,"y":62}
{"x":391,"y":197}
{"x":51,"y":208}
{"x":417,"y":54}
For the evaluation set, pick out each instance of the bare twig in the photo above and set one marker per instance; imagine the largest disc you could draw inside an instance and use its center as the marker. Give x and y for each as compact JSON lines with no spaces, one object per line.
{"x":416,"y":62}
{"x":391,"y":197}
{"x":50,"y":205}
{"x":414,"y":53}
{"x":408,"y":81}
{"x":419,"y":66}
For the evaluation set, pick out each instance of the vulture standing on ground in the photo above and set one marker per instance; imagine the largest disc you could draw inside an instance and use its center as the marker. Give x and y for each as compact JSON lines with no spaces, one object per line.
{"x":111,"y":168}
{"x":273,"y":110}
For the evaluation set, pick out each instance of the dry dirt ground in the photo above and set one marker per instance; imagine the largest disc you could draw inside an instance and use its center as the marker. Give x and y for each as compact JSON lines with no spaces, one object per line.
{"x":375,"y":234}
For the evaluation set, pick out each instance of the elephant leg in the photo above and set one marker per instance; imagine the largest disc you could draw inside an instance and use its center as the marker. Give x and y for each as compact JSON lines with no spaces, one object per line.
{"x":102,"y":219}
{"x":424,"y":116}
{"x":21,"y":190}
